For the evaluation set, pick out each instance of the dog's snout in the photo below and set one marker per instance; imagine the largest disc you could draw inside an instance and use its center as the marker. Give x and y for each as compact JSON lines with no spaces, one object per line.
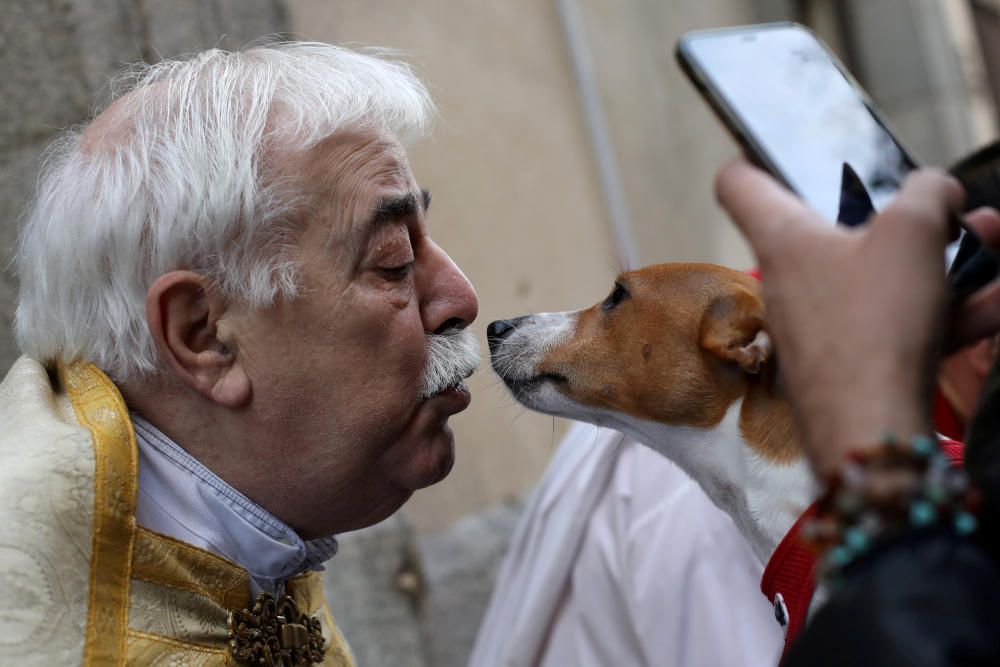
{"x":499,"y":329}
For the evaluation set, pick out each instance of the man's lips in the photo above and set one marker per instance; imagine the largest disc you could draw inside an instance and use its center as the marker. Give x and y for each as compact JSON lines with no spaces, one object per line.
{"x":452,"y":400}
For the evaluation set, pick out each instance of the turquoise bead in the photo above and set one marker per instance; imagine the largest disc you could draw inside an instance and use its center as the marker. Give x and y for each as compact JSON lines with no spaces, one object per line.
{"x":923,"y":445}
{"x":922,"y":513}
{"x":965,"y":523}
{"x":838,"y":557}
{"x":856,"y":540}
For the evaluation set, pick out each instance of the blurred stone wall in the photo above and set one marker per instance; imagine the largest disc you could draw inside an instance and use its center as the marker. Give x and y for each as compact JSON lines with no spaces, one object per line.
{"x":921,"y":63}
{"x":56,"y":57}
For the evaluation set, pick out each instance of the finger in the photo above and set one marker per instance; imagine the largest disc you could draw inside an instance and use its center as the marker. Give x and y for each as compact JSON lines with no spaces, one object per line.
{"x":932,"y":186}
{"x":985,"y":222}
{"x":760,"y":206}
{"x":926,"y":200}
{"x":978,"y":317}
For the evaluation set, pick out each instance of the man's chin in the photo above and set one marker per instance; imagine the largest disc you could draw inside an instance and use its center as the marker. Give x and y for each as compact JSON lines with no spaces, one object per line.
{"x":445,"y":463}
{"x":419,"y":465}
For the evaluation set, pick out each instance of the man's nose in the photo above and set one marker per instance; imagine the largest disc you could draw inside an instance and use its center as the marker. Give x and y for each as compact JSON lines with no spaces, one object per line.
{"x":450,"y":300}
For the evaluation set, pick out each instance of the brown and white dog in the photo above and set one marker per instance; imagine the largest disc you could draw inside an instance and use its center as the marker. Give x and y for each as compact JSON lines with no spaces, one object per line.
{"x":678,"y":358}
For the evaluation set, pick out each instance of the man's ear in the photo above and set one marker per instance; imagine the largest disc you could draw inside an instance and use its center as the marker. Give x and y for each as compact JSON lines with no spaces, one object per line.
{"x":732,"y":329}
{"x":183,"y":312}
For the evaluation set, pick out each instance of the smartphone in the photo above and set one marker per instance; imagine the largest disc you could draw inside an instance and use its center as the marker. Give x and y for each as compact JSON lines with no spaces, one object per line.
{"x":799,"y":114}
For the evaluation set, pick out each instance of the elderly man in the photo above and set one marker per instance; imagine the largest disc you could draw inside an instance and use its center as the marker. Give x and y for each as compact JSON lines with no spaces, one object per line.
{"x":239,"y":341}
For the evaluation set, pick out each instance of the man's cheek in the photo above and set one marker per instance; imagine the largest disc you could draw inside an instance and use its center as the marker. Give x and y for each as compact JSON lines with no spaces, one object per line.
{"x":408,"y":344}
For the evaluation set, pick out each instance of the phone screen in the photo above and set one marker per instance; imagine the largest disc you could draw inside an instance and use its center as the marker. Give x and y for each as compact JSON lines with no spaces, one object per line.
{"x":802,"y":116}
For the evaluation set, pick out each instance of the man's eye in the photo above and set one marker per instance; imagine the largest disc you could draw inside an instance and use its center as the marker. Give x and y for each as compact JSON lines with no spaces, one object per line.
{"x":616,"y":297}
{"x":401,"y":272}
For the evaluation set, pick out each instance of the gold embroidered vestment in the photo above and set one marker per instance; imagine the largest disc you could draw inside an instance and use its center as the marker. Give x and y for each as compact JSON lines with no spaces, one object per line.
{"x":84,"y":584}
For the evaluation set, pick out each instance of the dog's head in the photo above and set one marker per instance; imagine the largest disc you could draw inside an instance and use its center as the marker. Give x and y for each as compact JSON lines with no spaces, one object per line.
{"x":672,"y":343}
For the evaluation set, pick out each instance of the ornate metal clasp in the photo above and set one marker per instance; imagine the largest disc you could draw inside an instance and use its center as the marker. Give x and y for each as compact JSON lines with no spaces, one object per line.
{"x":272,"y":633}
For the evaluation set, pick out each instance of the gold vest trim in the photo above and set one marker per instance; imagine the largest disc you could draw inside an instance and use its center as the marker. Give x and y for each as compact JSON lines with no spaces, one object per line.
{"x":163,"y":560}
{"x":101,"y":409}
{"x":151,"y":649}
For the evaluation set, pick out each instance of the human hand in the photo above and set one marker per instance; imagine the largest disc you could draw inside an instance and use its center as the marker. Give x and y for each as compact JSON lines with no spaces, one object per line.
{"x":856,"y":313}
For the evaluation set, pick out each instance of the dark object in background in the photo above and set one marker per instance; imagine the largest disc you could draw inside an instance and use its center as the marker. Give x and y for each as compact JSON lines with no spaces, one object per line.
{"x":979,"y":174}
{"x":975,"y":265}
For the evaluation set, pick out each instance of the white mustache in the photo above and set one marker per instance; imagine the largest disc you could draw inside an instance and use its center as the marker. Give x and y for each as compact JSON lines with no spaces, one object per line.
{"x":452,"y":356}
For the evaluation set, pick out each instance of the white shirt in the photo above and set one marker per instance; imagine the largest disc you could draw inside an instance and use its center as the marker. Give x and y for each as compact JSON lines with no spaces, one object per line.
{"x":621,"y":560}
{"x":181,"y":498}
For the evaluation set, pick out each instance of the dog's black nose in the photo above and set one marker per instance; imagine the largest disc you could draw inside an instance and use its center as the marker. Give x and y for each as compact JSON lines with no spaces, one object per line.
{"x":499,"y":329}
{"x":496,"y":332}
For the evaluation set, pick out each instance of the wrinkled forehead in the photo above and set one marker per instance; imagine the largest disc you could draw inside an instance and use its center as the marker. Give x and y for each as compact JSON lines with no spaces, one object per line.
{"x":350,"y":172}
{"x":358,"y":162}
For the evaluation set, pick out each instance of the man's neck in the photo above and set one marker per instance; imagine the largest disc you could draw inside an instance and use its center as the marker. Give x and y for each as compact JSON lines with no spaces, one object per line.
{"x":181,"y":498}
{"x":210,"y":435}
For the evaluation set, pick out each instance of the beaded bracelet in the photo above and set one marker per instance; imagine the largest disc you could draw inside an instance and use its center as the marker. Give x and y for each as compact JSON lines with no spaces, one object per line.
{"x":883,"y":491}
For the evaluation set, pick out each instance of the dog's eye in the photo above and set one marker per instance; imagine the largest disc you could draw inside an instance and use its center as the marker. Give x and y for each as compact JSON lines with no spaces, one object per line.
{"x":616,"y":296}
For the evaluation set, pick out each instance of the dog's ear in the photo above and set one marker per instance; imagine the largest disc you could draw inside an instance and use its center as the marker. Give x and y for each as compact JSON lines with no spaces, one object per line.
{"x":732,"y":329}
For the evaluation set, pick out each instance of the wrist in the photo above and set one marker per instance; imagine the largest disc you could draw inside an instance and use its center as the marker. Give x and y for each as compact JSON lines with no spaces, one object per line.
{"x":858,"y":425}
{"x":886,"y":490}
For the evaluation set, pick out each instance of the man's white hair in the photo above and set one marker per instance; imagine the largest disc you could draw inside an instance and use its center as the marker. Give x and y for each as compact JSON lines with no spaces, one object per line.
{"x":176,"y":180}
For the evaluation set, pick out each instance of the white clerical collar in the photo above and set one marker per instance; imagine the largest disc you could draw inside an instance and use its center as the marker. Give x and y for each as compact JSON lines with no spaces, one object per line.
{"x":181,"y":498}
